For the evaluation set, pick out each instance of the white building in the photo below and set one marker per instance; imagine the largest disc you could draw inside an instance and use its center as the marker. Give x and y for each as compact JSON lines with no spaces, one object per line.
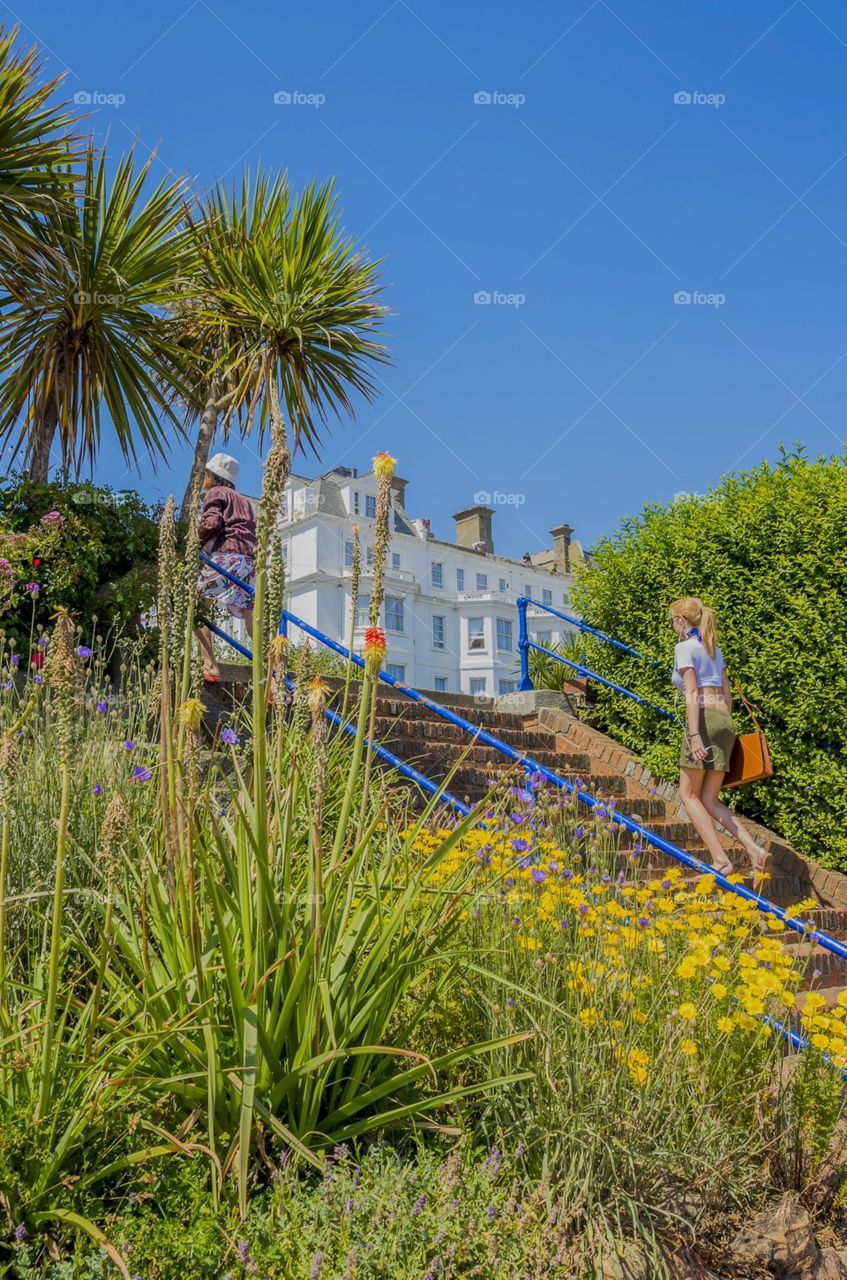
{"x":449,"y":613}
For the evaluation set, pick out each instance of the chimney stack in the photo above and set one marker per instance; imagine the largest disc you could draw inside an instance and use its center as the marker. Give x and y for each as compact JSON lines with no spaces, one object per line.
{"x":473,"y":528}
{"x":561,"y":536}
{"x":398,"y":488}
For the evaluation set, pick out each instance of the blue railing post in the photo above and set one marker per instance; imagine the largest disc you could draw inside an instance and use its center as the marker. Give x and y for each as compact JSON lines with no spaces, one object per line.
{"x":283,"y":625}
{"x":525,"y":682}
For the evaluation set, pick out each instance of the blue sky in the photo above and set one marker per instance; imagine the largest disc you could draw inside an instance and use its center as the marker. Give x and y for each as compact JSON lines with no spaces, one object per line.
{"x":622,"y":155}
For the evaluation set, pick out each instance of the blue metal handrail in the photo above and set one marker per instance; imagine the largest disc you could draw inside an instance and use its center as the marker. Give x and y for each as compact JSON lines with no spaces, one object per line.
{"x":407,"y":770}
{"x":535,"y":767}
{"x":525,"y":644}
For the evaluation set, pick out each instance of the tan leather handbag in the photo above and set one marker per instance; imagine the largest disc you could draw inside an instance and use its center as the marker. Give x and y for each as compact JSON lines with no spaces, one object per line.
{"x":750,"y":760}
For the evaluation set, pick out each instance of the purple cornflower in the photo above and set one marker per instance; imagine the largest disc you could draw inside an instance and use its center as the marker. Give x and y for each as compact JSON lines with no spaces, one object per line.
{"x":644,"y":922}
{"x":494,"y":1162}
{"x":538,"y":875}
{"x":417,"y":1207}
{"x":42,"y":642}
{"x":520,"y":846}
{"x":579,"y":782}
{"x":7,"y":684}
{"x":553,"y":866}
{"x":230,"y":737}
{"x":129,"y":745}
{"x":525,"y":797}
{"x":516,"y":919}
{"x":491,"y":1212}
{"x":517,"y":818}
{"x":14,"y":659}
{"x":33,"y":589}
{"x":39,"y":679}
{"x":583,"y":910}
{"x":20,"y":1232}
{"x":607,"y":879}
{"x":97,"y":789}
{"x":84,"y":652}
{"x":141,"y":773}
{"x":102,"y":707}
{"x":578,"y":833}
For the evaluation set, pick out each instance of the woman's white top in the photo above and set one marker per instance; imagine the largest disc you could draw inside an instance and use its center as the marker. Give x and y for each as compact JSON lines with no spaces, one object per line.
{"x":707,"y":670}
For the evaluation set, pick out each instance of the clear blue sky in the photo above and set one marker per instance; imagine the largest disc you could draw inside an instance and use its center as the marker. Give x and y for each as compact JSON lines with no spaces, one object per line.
{"x":597,"y":198}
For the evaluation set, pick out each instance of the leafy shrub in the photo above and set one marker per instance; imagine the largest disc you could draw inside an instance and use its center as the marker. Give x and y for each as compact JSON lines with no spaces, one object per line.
{"x":767,"y":551}
{"x":95,"y":550}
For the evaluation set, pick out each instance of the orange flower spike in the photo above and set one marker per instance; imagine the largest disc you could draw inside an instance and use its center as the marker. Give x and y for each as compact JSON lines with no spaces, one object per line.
{"x":375,"y":648}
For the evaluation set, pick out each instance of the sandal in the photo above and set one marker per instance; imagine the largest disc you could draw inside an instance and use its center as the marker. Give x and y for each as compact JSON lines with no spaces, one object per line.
{"x":725,"y":868}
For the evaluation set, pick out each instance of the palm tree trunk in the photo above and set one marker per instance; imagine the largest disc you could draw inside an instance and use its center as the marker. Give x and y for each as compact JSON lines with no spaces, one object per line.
{"x":41,"y":442}
{"x":205,"y":436}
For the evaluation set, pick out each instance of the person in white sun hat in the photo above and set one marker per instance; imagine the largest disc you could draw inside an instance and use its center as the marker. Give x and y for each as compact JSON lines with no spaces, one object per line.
{"x":227,"y":536}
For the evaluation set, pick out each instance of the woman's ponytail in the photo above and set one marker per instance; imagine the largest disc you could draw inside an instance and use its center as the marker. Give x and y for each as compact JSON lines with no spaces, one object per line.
{"x":707,"y":630}
{"x":698,"y":615}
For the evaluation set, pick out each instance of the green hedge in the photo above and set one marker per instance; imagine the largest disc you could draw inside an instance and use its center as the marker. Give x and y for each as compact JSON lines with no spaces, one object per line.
{"x":96,"y":553}
{"x":767,"y":549}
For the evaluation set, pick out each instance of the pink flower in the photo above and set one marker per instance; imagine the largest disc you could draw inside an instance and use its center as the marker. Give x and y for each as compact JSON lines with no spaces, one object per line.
{"x":6,"y":569}
{"x":53,"y":517}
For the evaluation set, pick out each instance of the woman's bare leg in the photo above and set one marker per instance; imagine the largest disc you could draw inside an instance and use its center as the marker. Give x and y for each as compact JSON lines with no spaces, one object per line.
{"x":690,"y":789}
{"x":204,"y":638}
{"x":711,"y":786}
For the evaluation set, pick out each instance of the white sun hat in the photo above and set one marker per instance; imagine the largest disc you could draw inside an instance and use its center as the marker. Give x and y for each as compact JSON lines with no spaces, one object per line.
{"x":224,"y":467}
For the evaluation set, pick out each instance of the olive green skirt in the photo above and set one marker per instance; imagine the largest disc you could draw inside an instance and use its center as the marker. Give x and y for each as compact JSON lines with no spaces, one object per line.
{"x":718,"y":735}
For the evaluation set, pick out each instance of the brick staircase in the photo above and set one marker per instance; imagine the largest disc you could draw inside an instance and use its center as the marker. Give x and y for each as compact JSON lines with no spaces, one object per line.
{"x":614,"y":775}
{"x":610,"y":772}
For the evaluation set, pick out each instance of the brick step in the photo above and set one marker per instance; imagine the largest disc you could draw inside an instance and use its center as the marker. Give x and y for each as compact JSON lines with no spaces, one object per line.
{"x":392,"y":708}
{"x":529,"y":741}
{"x":451,"y":753}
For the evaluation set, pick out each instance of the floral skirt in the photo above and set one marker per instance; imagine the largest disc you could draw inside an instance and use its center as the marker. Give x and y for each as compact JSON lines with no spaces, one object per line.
{"x":215,"y":587}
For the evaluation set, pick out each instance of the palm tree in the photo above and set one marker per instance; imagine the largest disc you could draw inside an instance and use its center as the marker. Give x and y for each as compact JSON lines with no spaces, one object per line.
{"x":87,"y":323}
{"x":285,"y":311}
{"x":33,"y":146}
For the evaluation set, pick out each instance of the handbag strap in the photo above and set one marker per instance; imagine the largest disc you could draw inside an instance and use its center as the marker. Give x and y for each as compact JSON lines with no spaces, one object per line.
{"x":747,"y":706}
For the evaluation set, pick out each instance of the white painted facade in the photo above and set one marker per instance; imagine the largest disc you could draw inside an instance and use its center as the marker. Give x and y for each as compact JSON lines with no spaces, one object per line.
{"x":449,"y":614}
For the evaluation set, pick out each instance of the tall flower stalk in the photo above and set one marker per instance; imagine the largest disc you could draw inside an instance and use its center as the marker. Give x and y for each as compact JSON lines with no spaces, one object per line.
{"x":64,"y":675}
{"x":355,"y":582}
{"x":384,"y":471}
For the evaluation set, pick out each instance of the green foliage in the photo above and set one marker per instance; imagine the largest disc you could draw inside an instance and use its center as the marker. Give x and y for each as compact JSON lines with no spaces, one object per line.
{"x":85,"y":326}
{"x":98,"y":561}
{"x":767,"y":551}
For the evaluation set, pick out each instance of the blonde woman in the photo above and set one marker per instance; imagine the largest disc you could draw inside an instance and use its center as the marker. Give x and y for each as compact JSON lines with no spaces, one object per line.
{"x":700,"y":674}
